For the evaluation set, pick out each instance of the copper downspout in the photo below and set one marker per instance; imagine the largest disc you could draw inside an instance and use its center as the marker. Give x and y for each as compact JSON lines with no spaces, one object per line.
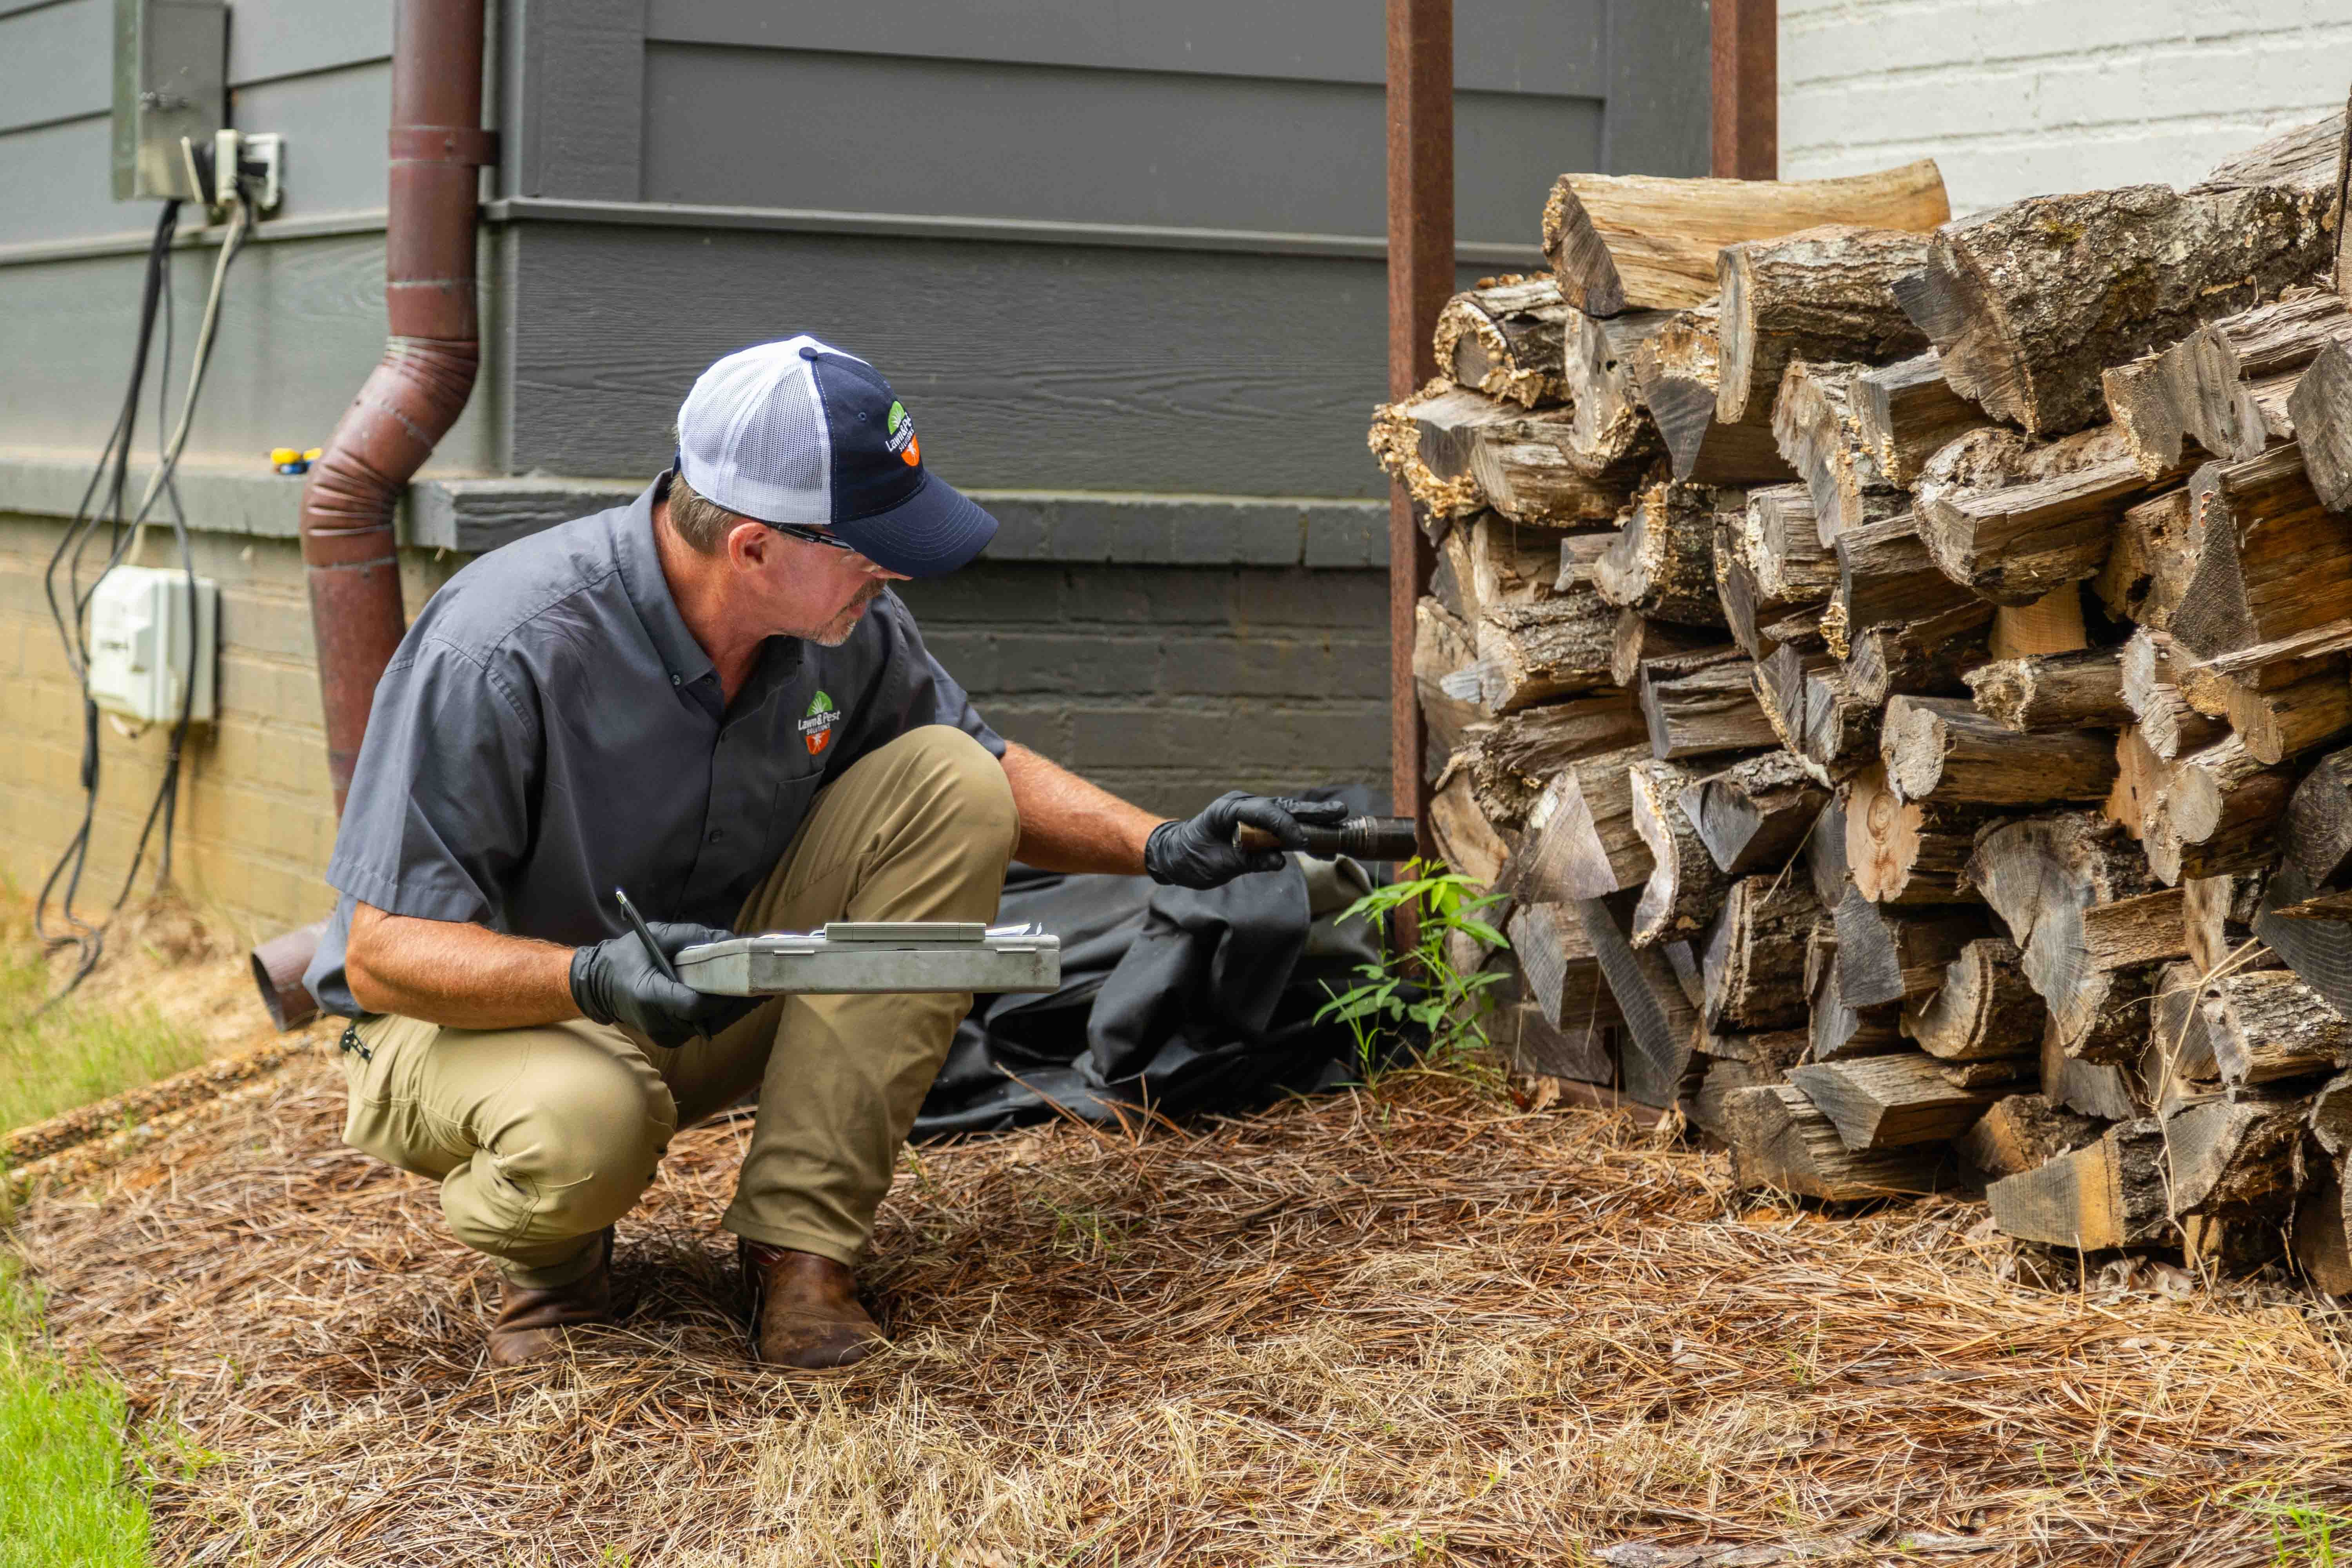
{"x":406,"y":406}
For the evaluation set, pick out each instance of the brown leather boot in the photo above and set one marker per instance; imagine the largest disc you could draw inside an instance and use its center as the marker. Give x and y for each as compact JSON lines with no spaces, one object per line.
{"x":530,"y":1323}
{"x":805,"y":1310}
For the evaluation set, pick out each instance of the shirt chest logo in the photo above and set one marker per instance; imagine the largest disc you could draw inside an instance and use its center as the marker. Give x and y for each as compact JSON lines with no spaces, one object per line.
{"x":816,"y":724}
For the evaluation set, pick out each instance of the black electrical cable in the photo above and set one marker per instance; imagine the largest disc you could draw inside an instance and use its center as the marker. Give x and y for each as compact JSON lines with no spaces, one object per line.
{"x":91,"y":938}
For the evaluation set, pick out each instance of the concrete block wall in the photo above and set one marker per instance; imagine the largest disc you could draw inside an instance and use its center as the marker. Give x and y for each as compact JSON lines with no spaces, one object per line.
{"x":2017,"y":97}
{"x":1165,"y":683}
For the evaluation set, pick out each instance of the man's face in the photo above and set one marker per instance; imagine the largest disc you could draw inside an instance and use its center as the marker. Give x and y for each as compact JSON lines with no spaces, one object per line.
{"x":804,"y":590}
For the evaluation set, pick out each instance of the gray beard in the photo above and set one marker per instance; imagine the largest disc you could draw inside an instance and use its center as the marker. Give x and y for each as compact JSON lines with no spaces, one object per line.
{"x":837,"y":630}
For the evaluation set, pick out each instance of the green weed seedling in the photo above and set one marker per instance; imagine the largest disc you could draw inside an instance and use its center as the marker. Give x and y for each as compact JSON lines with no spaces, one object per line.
{"x":1418,"y":993}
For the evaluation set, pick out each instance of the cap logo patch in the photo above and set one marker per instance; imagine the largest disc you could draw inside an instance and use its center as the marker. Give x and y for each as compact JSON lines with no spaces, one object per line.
{"x":902,"y":436}
{"x":816,"y":724}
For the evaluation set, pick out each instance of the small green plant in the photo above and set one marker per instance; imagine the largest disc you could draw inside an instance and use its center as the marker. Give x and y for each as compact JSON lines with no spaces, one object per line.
{"x":64,"y":1493}
{"x":1422,"y":991}
{"x":2302,"y":1536}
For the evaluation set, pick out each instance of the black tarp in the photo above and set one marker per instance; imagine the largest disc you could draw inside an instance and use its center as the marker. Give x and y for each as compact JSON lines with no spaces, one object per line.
{"x":1174,"y":999}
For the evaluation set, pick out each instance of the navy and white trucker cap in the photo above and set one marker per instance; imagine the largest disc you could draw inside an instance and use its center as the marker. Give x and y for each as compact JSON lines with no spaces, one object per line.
{"x":799,"y":432}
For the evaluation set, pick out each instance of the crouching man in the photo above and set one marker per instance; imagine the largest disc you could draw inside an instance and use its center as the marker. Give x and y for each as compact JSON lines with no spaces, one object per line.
{"x":711,"y":699}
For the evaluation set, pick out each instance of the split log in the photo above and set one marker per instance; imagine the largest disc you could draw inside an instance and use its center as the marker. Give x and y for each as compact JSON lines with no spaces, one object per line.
{"x":1889,"y":1102}
{"x":2226,"y":388}
{"x":1558,"y":969}
{"x":2318,"y":1234}
{"x":2271,"y":561}
{"x":1886,"y":577}
{"x":2167,"y":721}
{"x":1581,"y":842}
{"x":1455,"y":450}
{"x":2180,"y":1047}
{"x":2234,"y":1157}
{"x":1821,"y":294}
{"x":2010,"y":518}
{"x":2219,"y":811}
{"x":2321,"y":412}
{"x":2318,"y":833}
{"x":1985,"y":1008}
{"x":1841,"y":1031}
{"x":1676,"y":370}
{"x":1617,"y":242}
{"x":2079,"y":690}
{"x":1908,"y":852}
{"x":2027,"y":304}
{"x":2103,"y":1195}
{"x":2278,"y":723}
{"x":1465,"y":839}
{"x":1486,"y":561}
{"x":1441,"y":646}
{"x":2330,"y":1117}
{"x":2219,"y":915}
{"x":1907,"y":412}
{"x":2267,"y":1025}
{"x":2151,"y":928}
{"x":1509,"y":758}
{"x":1685,"y":891}
{"x":1662,"y":563}
{"x":1942,"y":747}
{"x":1754,"y":814}
{"x":1505,"y":339}
{"x":1813,"y":421}
{"x":1541,"y":652}
{"x":2148,"y":565}
{"x":2019,"y":1132}
{"x":1814,"y":714}
{"x":1611,"y":435}
{"x":1698,"y":703}
{"x":1884,"y":958}
{"x":1999,"y":1074}
{"x":1581,"y":1053}
{"x":1825,"y":862}
{"x":1782,"y":1143}
{"x":1754,"y":965}
{"x":1927,"y":658}
{"x":2307,"y":159}
{"x":1639,"y":639}
{"x":1661,"y":1025}
{"x":2103,"y":1090}
{"x":2052,"y":623}
{"x":2039,"y":874}
{"x":1783,"y":545}
{"x":2317,"y":947}
{"x":1746,"y":610}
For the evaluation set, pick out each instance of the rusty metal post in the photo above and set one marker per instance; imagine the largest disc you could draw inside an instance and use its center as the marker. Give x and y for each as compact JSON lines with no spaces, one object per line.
{"x":1421,"y":280}
{"x":1746,"y":97}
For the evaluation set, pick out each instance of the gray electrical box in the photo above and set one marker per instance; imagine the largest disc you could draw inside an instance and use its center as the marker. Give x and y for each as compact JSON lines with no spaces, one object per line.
{"x":170,"y":82}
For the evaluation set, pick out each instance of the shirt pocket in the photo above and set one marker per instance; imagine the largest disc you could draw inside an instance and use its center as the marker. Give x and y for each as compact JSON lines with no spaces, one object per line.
{"x":788,"y":811}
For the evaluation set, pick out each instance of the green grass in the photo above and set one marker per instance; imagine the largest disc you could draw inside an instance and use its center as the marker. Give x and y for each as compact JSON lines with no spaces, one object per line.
{"x":73,"y":1054}
{"x":63,"y":1493}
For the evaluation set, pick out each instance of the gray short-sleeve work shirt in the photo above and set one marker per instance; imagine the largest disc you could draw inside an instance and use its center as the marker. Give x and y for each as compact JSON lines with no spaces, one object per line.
{"x":550,"y":730}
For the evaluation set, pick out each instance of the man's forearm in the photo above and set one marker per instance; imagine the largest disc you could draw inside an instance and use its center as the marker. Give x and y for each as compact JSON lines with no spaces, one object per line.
{"x":453,"y":974}
{"x":1069,"y":825}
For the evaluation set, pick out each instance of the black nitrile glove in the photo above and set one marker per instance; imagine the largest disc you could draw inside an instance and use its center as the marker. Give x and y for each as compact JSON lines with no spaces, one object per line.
{"x":1202,"y":853}
{"x":616,"y":982}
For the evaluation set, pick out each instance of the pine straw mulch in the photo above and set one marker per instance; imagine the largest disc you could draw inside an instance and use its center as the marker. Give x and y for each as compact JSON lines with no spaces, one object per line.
{"x":1416,"y":1325}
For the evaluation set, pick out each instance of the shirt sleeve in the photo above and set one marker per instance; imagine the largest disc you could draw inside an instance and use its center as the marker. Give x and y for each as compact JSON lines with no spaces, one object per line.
{"x":911,"y":690}
{"x":439,"y":813}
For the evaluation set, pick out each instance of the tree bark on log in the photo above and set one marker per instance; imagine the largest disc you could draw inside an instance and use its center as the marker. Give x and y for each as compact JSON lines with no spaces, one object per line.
{"x":1676,"y":370}
{"x":1780,"y":1143}
{"x":1941,"y":748}
{"x":2219,"y":811}
{"x":1820,"y":294}
{"x":1927,"y":658}
{"x":1506,"y":338}
{"x":2226,"y":389}
{"x":2010,"y":518}
{"x":1753,"y":814}
{"x":2267,"y":1025}
{"x":1813,"y":712}
{"x":2021,"y":1132}
{"x":1685,"y":891}
{"x":2103,"y":1195}
{"x":2027,"y":304}
{"x":1611,"y":435}
{"x":1455,"y":450}
{"x":2149,"y":565}
{"x":2271,"y":561}
{"x":1754,"y":963}
{"x":1639,"y":639}
{"x":1441,"y":646}
{"x":2151,"y":928}
{"x":2292,"y":719}
{"x":1815,"y":423}
{"x":1617,"y":242}
{"x":1581,"y":842}
{"x":1985,"y":1009}
{"x":1907,"y":412}
{"x":1543,"y":651}
{"x":2039,"y":874}
{"x":1890,"y":1102}
{"x":1886,"y":577}
{"x":1908,"y":853}
{"x":1509,"y":758}
{"x":2079,"y":690}
{"x":1662,"y":563}
{"x":1696,"y":704}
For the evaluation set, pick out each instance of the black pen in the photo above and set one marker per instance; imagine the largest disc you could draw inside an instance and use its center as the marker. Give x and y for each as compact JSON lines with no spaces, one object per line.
{"x":646,"y":935}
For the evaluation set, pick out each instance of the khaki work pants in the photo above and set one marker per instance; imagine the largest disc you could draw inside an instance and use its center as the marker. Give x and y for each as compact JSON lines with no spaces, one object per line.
{"x":541,"y":1137}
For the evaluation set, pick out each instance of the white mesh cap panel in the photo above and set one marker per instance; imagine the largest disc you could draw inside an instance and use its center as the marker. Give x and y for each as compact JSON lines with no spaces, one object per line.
{"x":752,"y":434}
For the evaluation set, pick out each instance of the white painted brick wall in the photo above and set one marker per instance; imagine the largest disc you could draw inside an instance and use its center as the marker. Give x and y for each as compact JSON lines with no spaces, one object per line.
{"x":2014,"y":98}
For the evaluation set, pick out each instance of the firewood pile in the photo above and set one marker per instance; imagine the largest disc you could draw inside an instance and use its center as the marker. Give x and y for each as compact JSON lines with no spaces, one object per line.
{"x":1899,"y":671}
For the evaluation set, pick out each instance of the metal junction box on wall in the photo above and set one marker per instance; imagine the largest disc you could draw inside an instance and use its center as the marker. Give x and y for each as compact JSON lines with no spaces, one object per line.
{"x":141,"y":655}
{"x":170,"y":82}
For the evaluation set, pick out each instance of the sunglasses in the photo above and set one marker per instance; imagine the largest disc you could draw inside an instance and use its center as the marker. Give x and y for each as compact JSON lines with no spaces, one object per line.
{"x":814,"y":536}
